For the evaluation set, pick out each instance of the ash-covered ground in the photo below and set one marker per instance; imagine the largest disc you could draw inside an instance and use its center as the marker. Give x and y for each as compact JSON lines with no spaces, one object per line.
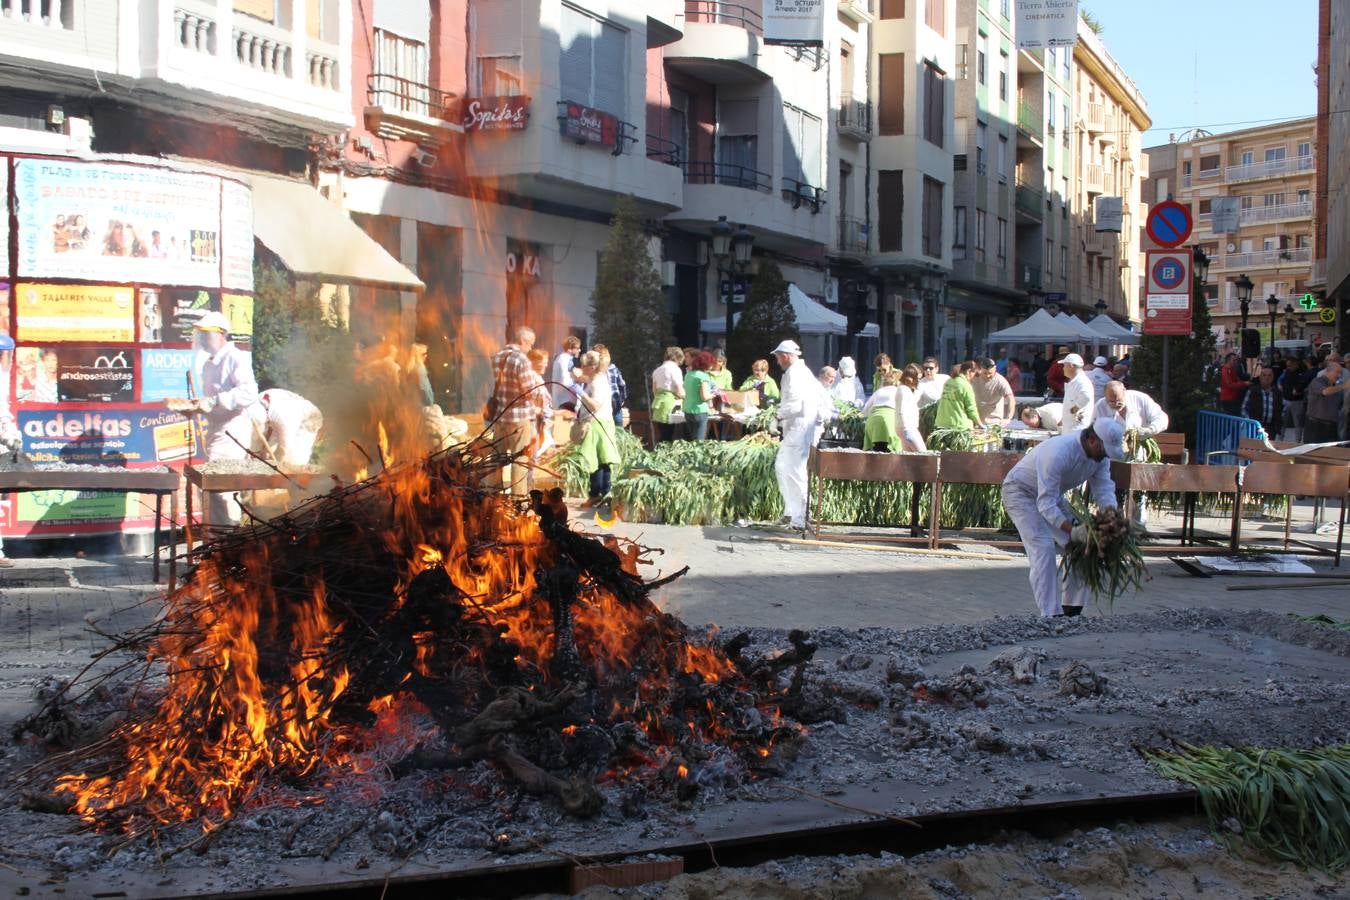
{"x":1007,"y":711}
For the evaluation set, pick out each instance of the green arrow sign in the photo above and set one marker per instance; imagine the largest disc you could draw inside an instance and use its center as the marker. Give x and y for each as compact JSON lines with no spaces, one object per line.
{"x":1308,"y":302}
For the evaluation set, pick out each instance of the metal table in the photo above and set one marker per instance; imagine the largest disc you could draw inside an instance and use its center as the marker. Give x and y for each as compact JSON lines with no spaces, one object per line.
{"x":112,"y":479}
{"x":232,"y":482}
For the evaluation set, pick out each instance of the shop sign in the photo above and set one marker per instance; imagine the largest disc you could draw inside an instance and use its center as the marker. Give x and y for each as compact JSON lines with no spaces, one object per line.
{"x":76,"y":313}
{"x":238,"y":310}
{"x":64,"y":508}
{"x":1046,"y":23}
{"x":114,"y":222}
{"x":586,"y":125}
{"x":95,"y":374}
{"x":495,"y":114}
{"x":113,"y":437}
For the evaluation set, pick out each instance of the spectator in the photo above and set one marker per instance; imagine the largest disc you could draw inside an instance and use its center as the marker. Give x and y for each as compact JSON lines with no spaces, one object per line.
{"x":564,"y":388}
{"x":1265,"y":403}
{"x":618,"y":388}
{"x":698,"y":394}
{"x":1233,"y":384}
{"x":514,"y":407}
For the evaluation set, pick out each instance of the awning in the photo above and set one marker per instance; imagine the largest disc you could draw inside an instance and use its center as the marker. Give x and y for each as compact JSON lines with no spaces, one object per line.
{"x":1109,"y":327}
{"x":812,"y":318}
{"x":1038,"y":328}
{"x":317,"y":241}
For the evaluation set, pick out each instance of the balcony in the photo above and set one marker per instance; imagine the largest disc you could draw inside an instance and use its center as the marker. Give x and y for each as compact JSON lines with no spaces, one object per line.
{"x":799,"y":192}
{"x":663,"y":151}
{"x":665,"y":22}
{"x":60,"y":35}
{"x":857,"y":10}
{"x":723,"y":43}
{"x":1029,"y":133}
{"x":1028,"y":277}
{"x":790,"y":222}
{"x":404,"y":110}
{"x":854,"y":118}
{"x":1095,"y":119}
{"x":1094,"y":179}
{"x":1271,"y":168}
{"x":853,"y":237}
{"x":1318,"y":278}
{"x":1098,"y":243}
{"x":1030,"y":204}
{"x":1265,"y":259}
{"x":730,"y":175}
{"x":1212,"y":174}
{"x":1286,"y":211}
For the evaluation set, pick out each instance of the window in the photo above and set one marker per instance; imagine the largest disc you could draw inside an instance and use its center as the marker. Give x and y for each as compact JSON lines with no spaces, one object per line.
{"x":1065,"y":120}
{"x":402,"y":72}
{"x":1160,"y":189}
{"x":935,"y":15}
{"x":890,"y":210}
{"x":1003,"y":8}
{"x":1304,"y":241}
{"x":1186,"y":169}
{"x":1305,"y":196}
{"x":1050,"y":111}
{"x":1205,"y":207}
{"x":981,"y":232}
{"x":1274,"y":153}
{"x":1305,"y":149}
{"x":1274,"y":199}
{"x":892,"y":9}
{"x":1064,"y":264}
{"x":934,"y":104}
{"x":801,"y":146}
{"x":891,"y":93}
{"x":981,"y":134}
{"x":738,"y":143}
{"x":1049,"y":257}
{"x":1065,"y":58}
{"x":932,"y":217}
{"x":981,"y":58}
{"x":594,"y":61}
{"x":1246,"y":202}
{"x":1002,"y":241}
{"x":679,"y":123}
{"x":1209,"y":165}
{"x":1248,"y":157}
{"x":1002,"y":75}
{"x":496,"y":34}
{"x":959,"y":232}
{"x":1064,"y":203}
{"x":846,"y":76}
{"x":1003,"y":158}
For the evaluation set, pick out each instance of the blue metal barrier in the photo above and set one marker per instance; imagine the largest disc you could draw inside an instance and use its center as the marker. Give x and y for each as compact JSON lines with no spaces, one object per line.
{"x":1217,"y":435}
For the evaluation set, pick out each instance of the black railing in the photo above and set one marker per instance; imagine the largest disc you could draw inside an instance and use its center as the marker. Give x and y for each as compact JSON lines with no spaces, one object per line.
{"x":855,"y":116}
{"x":718,"y":13}
{"x":799,"y":192}
{"x":727,"y":174}
{"x":852,"y":236}
{"x":397,"y":94}
{"x":816,"y":57}
{"x":664,"y":151}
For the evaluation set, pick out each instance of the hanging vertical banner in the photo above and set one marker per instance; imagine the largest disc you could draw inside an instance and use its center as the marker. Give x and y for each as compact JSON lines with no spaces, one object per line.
{"x":1109,"y":214}
{"x":796,"y":22}
{"x":1046,"y":23}
{"x":236,"y":242}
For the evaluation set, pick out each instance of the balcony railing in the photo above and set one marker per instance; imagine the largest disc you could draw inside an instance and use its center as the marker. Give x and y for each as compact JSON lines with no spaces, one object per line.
{"x":718,"y":13}
{"x":1029,"y":120}
{"x":1210,"y":174}
{"x":728,"y":174}
{"x":389,"y":92}
{"x":58,"y":14}
{"x":1094,"y":180}
{"x":853,"y":234}
{"x":855,"y":117}
{"x":1096,"y":118}
{"x":1028,"y":277}
{"x":1319,"y":272}
{"x":663,"y":151}
{"x":256,"y":45}
{"x":1257,"y":214}
{"x":799,"y":192}
{"x":1266,"y":259}
{"x":1270,"y":168}
{"x":1028,"y":200}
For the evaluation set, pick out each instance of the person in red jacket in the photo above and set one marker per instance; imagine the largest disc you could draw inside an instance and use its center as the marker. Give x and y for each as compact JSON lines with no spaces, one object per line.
{"x":1233,"y":385}
{"x":1054,"y":378}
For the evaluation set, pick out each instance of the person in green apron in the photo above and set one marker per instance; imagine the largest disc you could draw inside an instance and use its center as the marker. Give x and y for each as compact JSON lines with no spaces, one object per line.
{"x":879,"y":432}
{"x":667,"y":392}
{"x":883,"y":365}
{"x":760,"y":378}
{"x":721,"y":375}
{"x":598,"y":449}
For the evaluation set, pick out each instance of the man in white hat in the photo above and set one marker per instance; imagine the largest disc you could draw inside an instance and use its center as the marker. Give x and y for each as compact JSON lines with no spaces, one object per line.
{"x":1033,"y":495}
{"x":228,"y":390}
{"x":801,"y":415}
{"x":1079,"y":397}
{"x":1100,"y":376}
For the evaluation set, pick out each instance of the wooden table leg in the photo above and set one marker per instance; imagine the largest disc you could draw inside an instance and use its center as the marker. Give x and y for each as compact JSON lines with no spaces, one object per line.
{"x":935,"y":517}
{"x":187,"y":521}
{"x":173,"y":539}
{"x":159,"y":521}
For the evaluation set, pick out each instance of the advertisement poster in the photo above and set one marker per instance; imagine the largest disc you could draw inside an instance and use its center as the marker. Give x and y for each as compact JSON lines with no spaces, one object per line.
{"x":76,"y":313}
{"x":179,"y":310}
{"x":238,"y":308}
{"x":60,"y":509}
{"x":164,"y":374}
{"x":4,"y":221}
{"x":236,"y":227}
{"x":794,"y":21}
{"x":1046,"y":23}
{"x":4,"y":307}
{"x":117,"y":222}
{"x":95,"y":374}
{"x":101,"y":437}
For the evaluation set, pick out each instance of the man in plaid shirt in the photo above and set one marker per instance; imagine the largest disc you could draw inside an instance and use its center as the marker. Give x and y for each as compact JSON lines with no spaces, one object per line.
{"x":514,"y":405}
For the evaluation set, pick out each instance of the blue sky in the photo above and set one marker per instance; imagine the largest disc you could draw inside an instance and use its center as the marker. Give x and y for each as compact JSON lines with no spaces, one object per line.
{"x":1217,"y":65}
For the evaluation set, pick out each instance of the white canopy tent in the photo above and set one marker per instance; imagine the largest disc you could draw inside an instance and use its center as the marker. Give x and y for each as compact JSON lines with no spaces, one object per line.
{"x":1038,"y":328}
{"x":1088,"y":334}
{"x":819,"y":325}
{"x":1115,"y":334}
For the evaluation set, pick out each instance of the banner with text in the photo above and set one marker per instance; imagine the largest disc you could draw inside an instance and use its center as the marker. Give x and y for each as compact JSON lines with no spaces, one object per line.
{"x":794,"y":21}
{"x":118,"y":222}
{"x":75,"y":312}
{"x":236,"y":235}
{"x":164,"y":373}
{"x":96,"y":374}
{"x":1046,"y":23}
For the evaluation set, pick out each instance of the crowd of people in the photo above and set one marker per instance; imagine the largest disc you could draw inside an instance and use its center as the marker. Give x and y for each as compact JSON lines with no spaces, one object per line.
{"x":1297,"y":397}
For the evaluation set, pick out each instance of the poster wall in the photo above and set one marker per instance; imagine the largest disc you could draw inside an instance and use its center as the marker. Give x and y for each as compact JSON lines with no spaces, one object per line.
{"x":74,"y":312}
{"x":117,"y":223}
{"x":1046,"y":23}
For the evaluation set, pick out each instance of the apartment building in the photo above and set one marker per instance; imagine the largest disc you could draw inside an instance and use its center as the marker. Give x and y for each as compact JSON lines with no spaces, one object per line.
{"x":1272,"y":172}
{"x":1103,"y":158}
{"x":1331,"y":252}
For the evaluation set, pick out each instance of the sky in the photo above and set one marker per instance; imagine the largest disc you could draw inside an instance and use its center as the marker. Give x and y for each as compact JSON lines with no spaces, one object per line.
{"x":1223,"y":66}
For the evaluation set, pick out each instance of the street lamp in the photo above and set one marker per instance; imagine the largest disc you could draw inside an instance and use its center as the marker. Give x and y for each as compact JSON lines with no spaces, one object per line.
{"x":1289,"y":321}
{"x":1100,"y":306}
{"x":1273,"y":303}
{"x":1244,"y":287}
{"x":1200,"y":260}
{"x":732,"y":252}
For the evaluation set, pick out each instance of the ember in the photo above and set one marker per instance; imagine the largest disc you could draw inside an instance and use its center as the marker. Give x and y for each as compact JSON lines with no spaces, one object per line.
{"x":417,"y":621}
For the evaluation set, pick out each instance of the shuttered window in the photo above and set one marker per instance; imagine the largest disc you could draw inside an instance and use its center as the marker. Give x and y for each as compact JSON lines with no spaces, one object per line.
{"x":738,"y":143}
{"x":892,"y":9}
{"x":594,"y":61}
{"x":932,"y":218}
{"x":801,"y":146}
{"x":496,"y":28}
{"x":890,"y":210}
{"x":934,"y":104}
{"x":891,"y":98}
{"x":935,"y":15}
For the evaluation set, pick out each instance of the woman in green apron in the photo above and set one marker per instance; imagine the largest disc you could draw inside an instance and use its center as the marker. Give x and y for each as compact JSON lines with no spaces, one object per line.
{"x":667,"y":392}
{"x":598,"y":447}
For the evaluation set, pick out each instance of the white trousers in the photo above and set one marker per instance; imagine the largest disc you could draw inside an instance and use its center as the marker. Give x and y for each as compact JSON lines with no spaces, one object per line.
{"x":221,"y":507}
{"x":1042,"y":541}
{"x":790,"y":467}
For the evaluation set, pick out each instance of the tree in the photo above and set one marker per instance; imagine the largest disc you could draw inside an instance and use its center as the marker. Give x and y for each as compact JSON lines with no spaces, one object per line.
{"x":767,"y":319}
{"x":1092,"y":22}
{"x":628,"y":308}
{"x":1187,"y":393}
{"x":295,"y":344}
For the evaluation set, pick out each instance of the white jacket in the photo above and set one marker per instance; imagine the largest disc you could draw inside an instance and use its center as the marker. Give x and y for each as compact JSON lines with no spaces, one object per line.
{"x":804,"y":406}
{"x":849,"y":389}
{"x":1142,"y":413}
{"x":227,"y":378}
{"x":1056,"y":467}
{"x":1079,"y":400}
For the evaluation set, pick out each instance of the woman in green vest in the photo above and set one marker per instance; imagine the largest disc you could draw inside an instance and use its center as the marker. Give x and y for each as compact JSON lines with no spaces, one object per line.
{"x":956,"y":407}
{"x":667,"y":392}
{"x":721,"y":375}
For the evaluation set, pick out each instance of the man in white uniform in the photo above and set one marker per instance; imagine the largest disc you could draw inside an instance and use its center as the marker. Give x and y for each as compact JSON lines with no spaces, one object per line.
{"x":1079,"y":397}
{"x":1033,"y":495}
{"x":1100,"y":376}
{"x":228,"y":390}
{"x":801,"y":417}
{"x":289,"y":423}
{"x":1135,"y":411}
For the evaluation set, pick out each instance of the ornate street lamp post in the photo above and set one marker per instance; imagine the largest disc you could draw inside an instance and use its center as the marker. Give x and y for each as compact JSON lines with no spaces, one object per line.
{"x":1244,"y":287}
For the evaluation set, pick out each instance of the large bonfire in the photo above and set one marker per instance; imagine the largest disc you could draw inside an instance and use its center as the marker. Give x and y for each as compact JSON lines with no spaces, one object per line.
{"x":419,"y":609}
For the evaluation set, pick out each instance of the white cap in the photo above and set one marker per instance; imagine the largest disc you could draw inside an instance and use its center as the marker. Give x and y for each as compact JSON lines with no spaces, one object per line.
{"x":1073,"y":359}
{"x":847,"y":367}
{"x":788,"y":347}
{"x":1099,"y":361}
{"x":1112,"y":434}
{"x":213,"y":321}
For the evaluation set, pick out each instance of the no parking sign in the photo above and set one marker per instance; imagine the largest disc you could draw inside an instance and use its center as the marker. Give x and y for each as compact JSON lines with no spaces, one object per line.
{"x":1167,"y":292}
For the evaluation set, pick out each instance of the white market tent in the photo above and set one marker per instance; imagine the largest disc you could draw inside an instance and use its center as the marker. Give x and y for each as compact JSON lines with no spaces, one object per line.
{"x":812,"y":318}
{"x":1086,"y":332}
{"x":1116,"y":334}
{"x":1039,"y":328}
